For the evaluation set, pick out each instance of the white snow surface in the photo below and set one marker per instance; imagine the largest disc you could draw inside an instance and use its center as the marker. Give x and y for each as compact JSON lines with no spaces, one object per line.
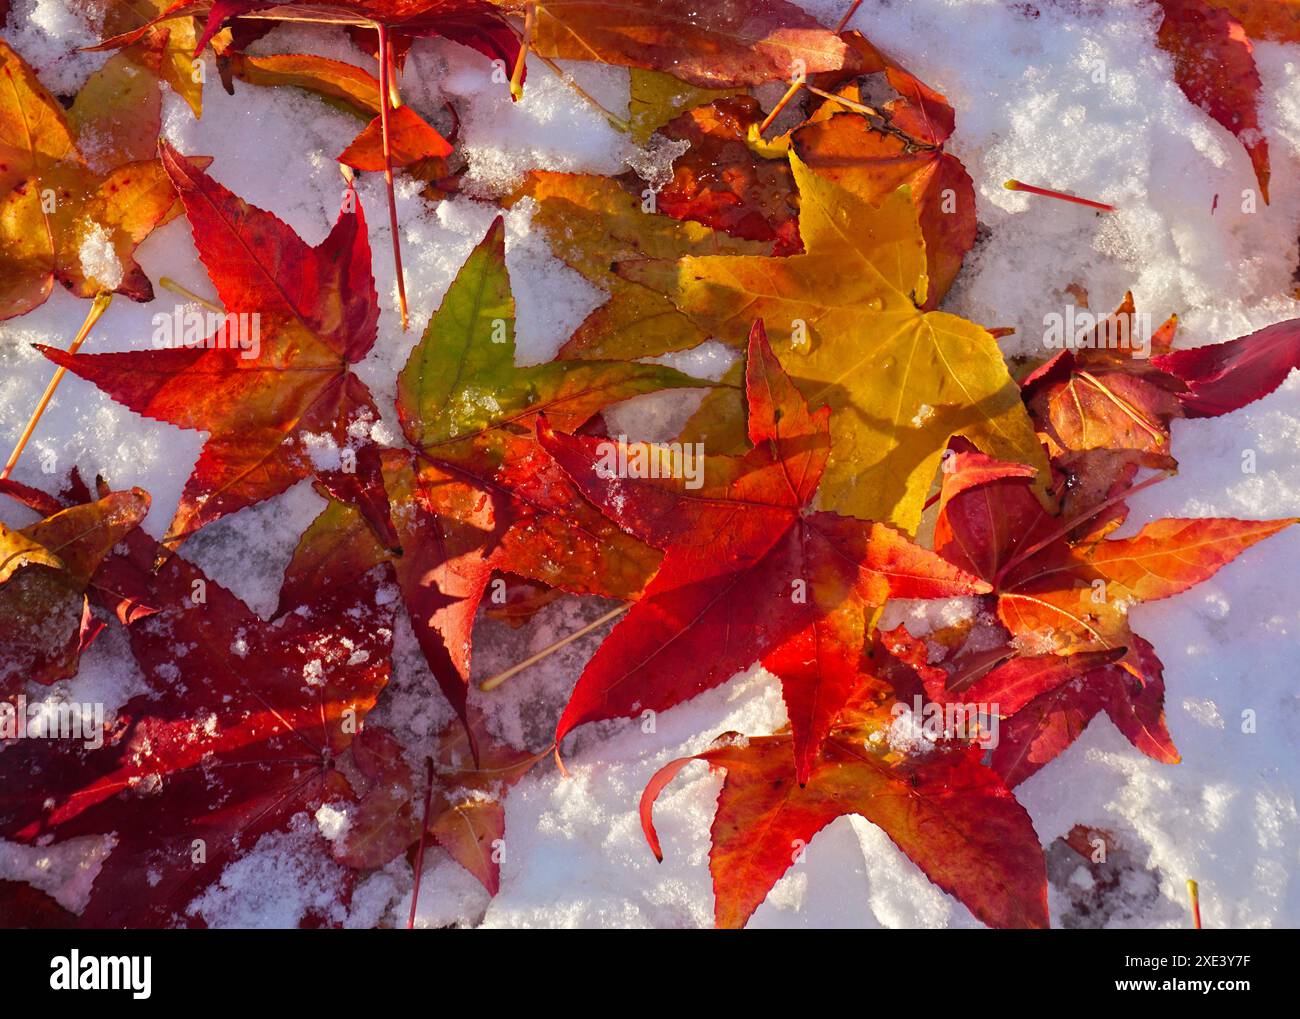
{"x":1030,"y":105}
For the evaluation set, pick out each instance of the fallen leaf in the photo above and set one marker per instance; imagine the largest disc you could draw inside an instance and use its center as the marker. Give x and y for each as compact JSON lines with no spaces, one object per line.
{"x":721,"y":182}
{"x":446,"y":528}
{"x":466,"y":814}
{"x":1062,"y":597}
{"x":1103,"y":407}
{"x":240,"y":729}
{"x":873,"y":164}
{"x":45,"y":569}
{"x":1214,"y":65}
{"x":79,"y":189}
{"x":951,"y":816}
{"x":655,"y":98}
{"x":1222,"y":377}
{"x":716,"y":45}
{"x":900,"y":381}
{"x":411,"y":138}
{"x":271,"y":384}
{"x":465,"y":405}
{"x":751,"y":572}
{"x":593,"y":223}
{"x":1266,"y":19}
{"x":179,"y":68}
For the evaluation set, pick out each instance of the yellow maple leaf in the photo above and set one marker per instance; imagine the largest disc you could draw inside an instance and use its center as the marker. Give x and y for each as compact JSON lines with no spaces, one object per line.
{"x":845,"y":318}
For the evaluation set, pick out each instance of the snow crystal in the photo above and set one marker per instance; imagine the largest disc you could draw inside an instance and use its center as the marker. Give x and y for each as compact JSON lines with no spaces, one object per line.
{"x":333,"y":821}
{"x":907,"y":734}
{"x":99,"y":261}
{"x":654,"y":163}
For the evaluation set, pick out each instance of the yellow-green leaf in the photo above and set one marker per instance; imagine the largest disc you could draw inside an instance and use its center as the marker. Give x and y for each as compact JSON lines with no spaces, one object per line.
{"x":845,"y":317}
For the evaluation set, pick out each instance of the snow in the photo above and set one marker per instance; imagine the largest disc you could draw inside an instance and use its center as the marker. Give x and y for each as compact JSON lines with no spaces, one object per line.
{"x":99,"y":262}
{"x":283,"y":878}
{"x":66,"y":872}
{"x":1075,"y":97}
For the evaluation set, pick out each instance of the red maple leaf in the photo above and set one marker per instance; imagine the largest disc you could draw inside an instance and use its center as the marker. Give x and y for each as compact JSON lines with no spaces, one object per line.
{"x":952,"y":816}
{"x":465,"y":810}
{"x":243,"y":725}
{"x":1214,"y":65}
{"x":1060,"y":595}
{"x":272,"y":385}
{"x":1221,"y":377}
{"x":751,"y":571}
{"x":479,"y":494}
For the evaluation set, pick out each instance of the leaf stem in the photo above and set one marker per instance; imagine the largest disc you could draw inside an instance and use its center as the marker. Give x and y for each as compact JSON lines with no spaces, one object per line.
{"x":1016,"y":185}
{"x":568,"y":79}
{"x":799,"y":80}
{"x":315,"y":18}
{"x":492,"y":682}
{"x":424,"y":834}
{"x":385,"y":98}
{"x":97,"y":308}
{"x":517,"y":75}
{"x":1137,"y":417}
{"x":783,"y":102}
{"x":167,"y":283}
{"x":884,"y":126}
{"x":853,"y":9}
{"x":862,"y":108}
